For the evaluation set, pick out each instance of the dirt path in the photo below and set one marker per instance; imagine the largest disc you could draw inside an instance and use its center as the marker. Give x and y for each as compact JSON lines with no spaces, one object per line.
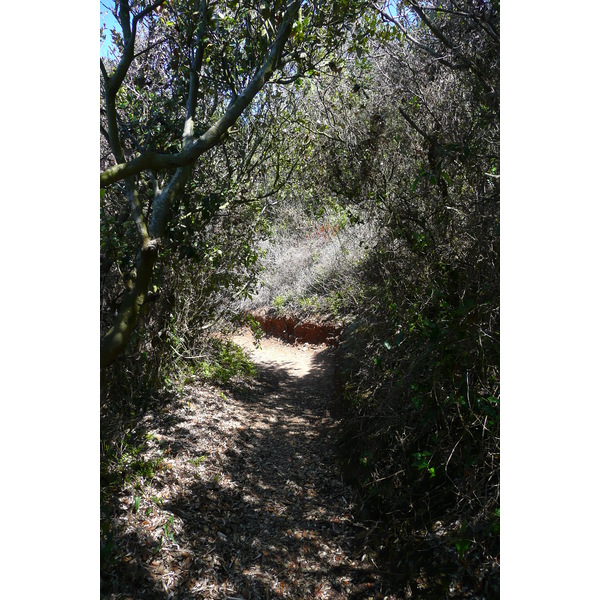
{"x":248,"y":502}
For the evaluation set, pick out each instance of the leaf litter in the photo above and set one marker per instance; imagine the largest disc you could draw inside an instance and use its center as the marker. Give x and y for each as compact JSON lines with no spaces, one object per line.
{"x":248,"y":501}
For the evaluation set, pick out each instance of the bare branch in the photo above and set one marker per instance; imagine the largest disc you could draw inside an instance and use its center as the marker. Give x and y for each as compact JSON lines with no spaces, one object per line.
{"x":104,"y":72}
{"x":196,"y":61}
{"x":125,"y":24}
{"x":387,"y":17}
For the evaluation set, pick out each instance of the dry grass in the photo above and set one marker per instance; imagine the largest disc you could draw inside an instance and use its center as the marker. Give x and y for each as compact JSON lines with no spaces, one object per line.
{"x":305,"y":270}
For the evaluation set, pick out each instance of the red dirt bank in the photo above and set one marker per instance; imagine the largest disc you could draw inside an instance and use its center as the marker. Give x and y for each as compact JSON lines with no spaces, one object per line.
{"x":291,"y":329}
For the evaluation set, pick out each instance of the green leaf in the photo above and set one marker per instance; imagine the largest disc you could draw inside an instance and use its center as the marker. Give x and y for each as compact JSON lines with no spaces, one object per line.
{"x":421,"y":461}
{"x":462,"y":546}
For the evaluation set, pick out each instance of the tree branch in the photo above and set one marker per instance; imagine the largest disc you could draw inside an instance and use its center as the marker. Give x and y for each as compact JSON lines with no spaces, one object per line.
{"x":387,"y":17}
{"x":124,"y":20}
{"x":146,"y":11}
{"x":196,"y":61}
{"x":214,"y":134}
{"x":446,"y":42}
{"x":412,"y":123}
{"x":117,"y":338}
{"x":164,"y":200}
{"x":114,"y":82}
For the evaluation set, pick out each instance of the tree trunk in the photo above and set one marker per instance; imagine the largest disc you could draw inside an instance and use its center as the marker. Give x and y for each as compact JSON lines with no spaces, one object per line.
{"x":117,"y":337}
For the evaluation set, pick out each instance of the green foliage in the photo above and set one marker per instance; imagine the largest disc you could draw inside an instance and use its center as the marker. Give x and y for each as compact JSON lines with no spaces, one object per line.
{"x":462,"y":546}
{"x":279,"y":302}
{"x":422,"y":461}
{"x":422,"y":392}
{"x":227,"y":361}
{"x":198,"y":461}
{"x":167,"y":529}
{"x":257,"y":331}
{"x":371,"y":191}
{"x":144,"y":113}
{"x":121,"y":463}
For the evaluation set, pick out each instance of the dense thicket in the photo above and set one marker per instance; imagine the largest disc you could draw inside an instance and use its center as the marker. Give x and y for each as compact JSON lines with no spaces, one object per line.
{"x":405,"y":142}
{"x":192,"y":79}
{"x":177,"y":237}
{"x":364,"y":185}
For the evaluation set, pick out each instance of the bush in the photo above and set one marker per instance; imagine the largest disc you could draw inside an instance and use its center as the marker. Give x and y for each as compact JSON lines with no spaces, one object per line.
{"x":310,"y":261}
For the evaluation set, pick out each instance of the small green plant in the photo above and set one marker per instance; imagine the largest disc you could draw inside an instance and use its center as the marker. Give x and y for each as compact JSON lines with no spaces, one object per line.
{"x":167,"y":528}
{"x":198,"y":461}
{"x":335,"y":302}
{"x":227,"y":360}
{"x":121,"y":462}
{"x":421,"y":460}
{"x":279,"y":303}
{"x":462,"y":544}
{"x":309,"y":303}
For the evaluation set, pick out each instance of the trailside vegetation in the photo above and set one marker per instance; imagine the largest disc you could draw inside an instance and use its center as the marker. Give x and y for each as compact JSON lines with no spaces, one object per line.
{"x":409,"y":141}
{"x":186,"y":77}
{"x":338,"y":160}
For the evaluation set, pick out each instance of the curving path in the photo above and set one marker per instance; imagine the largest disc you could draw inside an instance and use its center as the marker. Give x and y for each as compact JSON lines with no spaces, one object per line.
{"x":248,"y":502}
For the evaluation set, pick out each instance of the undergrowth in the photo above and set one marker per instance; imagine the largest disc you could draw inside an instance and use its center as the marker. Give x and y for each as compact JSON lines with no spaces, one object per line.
{"x":224,"y":361}
{"x":130,"y":404}
{"x":122,"y":432}
{"x":419,"y":387}
{"x":310,"y":261}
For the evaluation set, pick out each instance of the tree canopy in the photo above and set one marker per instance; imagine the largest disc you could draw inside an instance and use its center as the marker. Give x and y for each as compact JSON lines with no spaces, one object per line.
{"x":186,"y":72}
{"x":331,"y":159}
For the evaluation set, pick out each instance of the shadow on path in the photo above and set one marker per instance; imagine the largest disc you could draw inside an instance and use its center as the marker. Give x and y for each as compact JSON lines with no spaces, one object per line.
{"x":264,"y":513}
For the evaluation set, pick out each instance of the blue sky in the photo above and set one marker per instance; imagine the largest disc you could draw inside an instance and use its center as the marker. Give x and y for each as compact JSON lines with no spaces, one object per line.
{"x":107,"y":18}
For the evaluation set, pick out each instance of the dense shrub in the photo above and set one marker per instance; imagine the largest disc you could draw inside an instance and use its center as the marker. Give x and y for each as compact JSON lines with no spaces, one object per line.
{"x":410,"y":141}
{"x":375,"y":197}
{"x":310,"y":260}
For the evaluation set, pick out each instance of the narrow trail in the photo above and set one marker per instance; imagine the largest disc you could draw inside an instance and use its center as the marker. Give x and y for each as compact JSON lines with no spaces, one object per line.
{"x":249,"y":502}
